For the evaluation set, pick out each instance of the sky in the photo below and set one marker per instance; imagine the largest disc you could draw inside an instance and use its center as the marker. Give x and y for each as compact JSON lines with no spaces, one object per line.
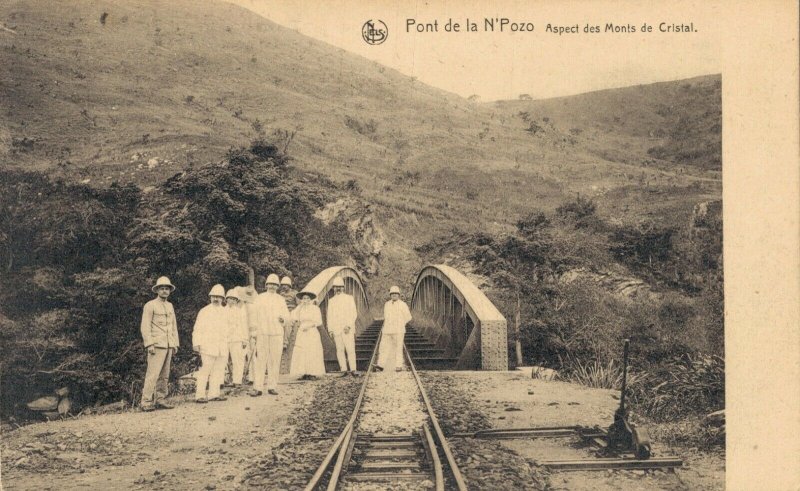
{"x":502,"y":65}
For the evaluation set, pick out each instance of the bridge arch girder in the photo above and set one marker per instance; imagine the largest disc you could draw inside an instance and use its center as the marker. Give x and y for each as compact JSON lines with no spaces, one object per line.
{"x":448,"y":298}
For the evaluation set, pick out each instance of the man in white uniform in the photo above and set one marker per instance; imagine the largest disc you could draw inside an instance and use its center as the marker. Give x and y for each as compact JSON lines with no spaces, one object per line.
{"x":271,"y":336}
{"x":210,"y":340}
{"x":342,"y":314}
{"x":238,"y":334}
{"x":248,"y":296}
{"x":395,"y":317}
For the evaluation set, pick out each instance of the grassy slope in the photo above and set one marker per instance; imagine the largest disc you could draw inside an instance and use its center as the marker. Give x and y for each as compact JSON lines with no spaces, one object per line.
{"x":195,"y":80}
{"x":623,"y":124}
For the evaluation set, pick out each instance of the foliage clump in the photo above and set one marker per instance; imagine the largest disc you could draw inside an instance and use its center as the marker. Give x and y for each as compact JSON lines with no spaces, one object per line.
{"x":572,"y":321}
{"x":77,"y":263}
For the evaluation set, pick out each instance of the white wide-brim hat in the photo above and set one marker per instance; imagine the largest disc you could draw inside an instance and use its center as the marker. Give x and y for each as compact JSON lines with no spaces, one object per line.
{"x":306,"y":292}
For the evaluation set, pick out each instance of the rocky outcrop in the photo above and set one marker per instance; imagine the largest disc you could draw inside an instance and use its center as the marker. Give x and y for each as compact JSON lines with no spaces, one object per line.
{"x":626,"y":286}
{"x":54,"y":406}
{"x":364,"y":232}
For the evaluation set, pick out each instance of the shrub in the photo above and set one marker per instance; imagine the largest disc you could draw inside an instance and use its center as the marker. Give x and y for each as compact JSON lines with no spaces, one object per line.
{"x":366,"y":128}
{"x":688,"y":385}
{"x":352,"y":186}
{"x":84,"y":258}
{"x":598,"y":374}
{"x":581,"y":211}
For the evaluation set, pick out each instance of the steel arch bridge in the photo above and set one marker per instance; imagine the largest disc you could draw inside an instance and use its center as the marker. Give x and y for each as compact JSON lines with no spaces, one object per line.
{"x":447,"y":307}
{"x":457,"y":316}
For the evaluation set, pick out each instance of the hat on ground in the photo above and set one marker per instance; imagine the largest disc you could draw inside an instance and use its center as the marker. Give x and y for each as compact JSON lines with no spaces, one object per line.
{"x":273,"y":280}
{"x":306,"y":292}
{"x":217,"y":291}
{"x":233,"y":293}
{"x":163,"y":281}
{"x":338,"y":281}
{"x":286,"y":281}
{"x":394,"y":289}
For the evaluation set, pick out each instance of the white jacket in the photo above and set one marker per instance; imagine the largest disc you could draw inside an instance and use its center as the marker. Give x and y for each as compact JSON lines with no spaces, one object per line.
{"x":269,"y":309}
{"x":395,"y":317}
{"x":307,"y":316}
{"x":211,"y":330}
{"x":238,"y":331}
{"x":342,"y":312}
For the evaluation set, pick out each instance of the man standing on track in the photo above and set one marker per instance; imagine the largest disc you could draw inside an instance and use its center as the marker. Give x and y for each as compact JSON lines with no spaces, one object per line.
{"x":160,"y":335}
{"x":342,"y":314}
{"x":395,"y":317}
{"x":271,"y":337}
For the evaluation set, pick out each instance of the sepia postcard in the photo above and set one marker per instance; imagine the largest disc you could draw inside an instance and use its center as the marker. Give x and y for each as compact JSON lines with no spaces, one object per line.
{"x":287,"y":244}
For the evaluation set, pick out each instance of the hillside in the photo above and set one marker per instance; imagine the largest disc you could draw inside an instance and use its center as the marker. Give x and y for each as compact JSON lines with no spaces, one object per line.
{"x":107,"y":91}
{"x":669,"y":124}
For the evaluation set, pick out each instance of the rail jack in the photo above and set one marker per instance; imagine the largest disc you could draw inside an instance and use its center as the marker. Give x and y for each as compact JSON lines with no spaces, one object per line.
{"x":622,"y":446}
{"x":623,"y":436}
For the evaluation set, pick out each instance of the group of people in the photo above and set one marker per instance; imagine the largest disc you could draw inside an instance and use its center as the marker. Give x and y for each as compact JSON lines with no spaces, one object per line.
{"x":253,"y":330}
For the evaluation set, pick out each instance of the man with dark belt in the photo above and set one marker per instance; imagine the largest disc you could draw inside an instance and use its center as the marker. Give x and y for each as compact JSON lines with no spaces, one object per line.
{"x":160,"y":335}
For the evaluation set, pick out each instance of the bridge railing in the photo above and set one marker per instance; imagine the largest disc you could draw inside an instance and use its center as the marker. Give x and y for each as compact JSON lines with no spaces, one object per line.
{"x":458,"y":316}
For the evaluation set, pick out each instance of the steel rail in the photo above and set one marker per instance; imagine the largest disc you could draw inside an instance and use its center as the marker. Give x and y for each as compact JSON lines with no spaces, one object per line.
{"x":437,"y":463}
{"x":451,"y":461}
{"x":347,"y":433}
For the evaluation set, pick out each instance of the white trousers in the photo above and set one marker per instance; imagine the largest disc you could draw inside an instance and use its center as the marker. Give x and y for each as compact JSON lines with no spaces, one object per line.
{"x":269,"y":350}
{"x":211,"y":374}
{"x":390,"y":352}
{"x":251,"y":363}
{"x":346,"y":350}
{"x":237,"y":361}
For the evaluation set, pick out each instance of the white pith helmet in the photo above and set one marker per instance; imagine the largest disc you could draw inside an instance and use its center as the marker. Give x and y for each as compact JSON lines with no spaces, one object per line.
{"x":338,"y":281}
{"x":217,"y":291}
{"x":394,"y":289}
{"x":286,"y":281}
{"x":233,"y":293}
{"x":273,"y":280}
{"x":163,"y":281}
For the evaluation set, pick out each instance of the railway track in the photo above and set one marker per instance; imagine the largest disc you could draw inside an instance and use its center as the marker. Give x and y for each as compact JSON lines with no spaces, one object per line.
{"x":418,"y":458}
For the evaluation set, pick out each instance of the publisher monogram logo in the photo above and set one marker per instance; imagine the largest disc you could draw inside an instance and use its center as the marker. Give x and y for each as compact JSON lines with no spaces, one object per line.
{"x":374,"y":32}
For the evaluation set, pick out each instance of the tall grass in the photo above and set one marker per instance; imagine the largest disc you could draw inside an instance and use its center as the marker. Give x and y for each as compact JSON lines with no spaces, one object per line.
{"x":689,"y":385}
{"x":598,"y":374}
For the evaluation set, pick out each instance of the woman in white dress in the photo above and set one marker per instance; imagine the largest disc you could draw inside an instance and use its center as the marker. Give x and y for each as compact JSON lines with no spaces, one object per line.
{"x":307,"y":358}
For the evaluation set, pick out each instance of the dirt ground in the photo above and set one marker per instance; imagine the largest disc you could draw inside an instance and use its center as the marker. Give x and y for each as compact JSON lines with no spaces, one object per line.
{"x":257,"y":443}
{"x":514,"y":400}
{"x":194,"y":446}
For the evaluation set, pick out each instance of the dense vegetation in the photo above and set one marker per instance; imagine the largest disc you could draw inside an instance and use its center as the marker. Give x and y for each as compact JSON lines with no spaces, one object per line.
{"x":77,"y":263}
{"x":572,"y":321}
